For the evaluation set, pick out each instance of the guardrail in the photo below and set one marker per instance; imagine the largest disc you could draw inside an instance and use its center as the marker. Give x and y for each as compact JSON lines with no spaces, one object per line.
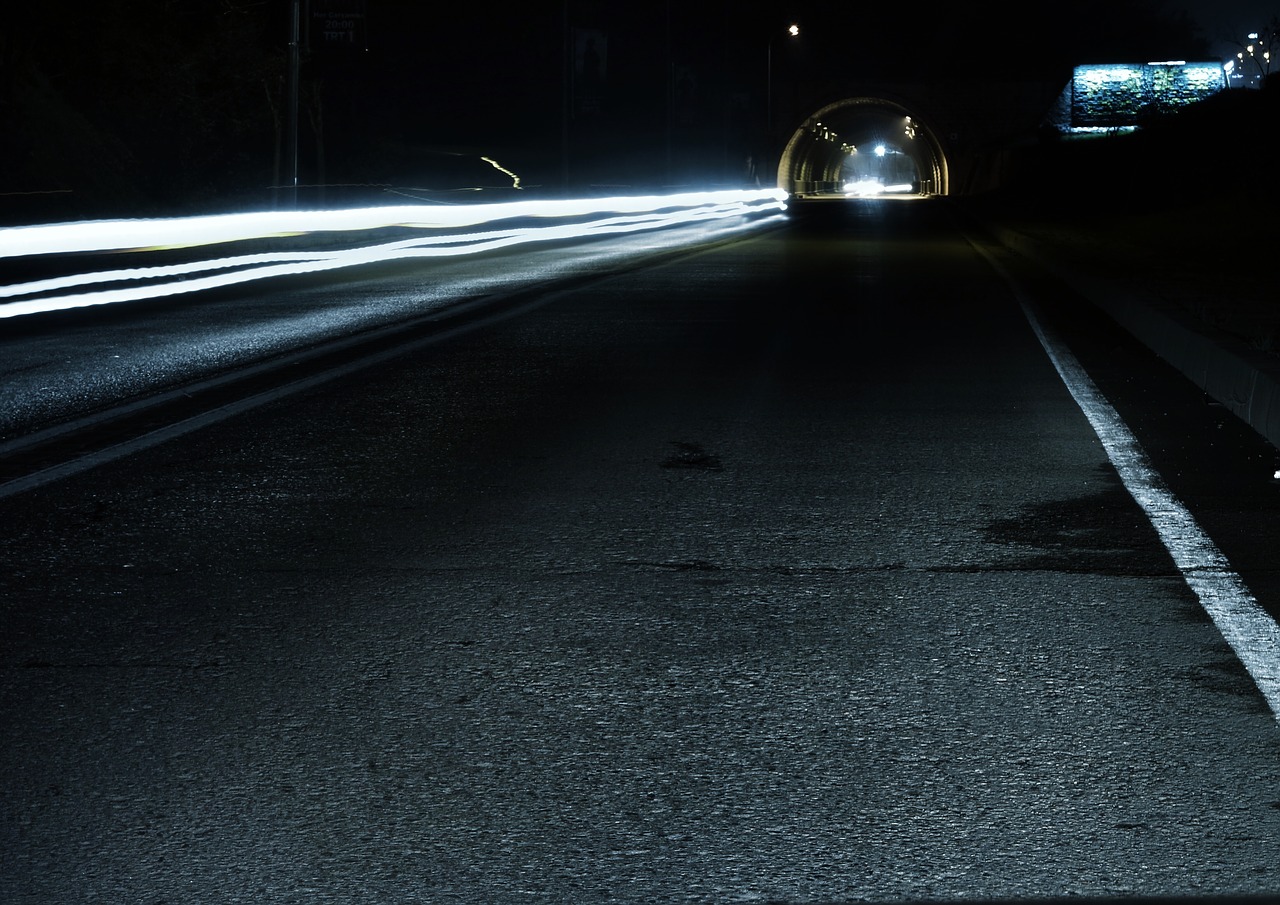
{"x":62,"y":266}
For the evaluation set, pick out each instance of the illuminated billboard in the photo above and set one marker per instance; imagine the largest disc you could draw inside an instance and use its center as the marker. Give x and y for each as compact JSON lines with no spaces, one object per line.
{"x":1117,"y":96}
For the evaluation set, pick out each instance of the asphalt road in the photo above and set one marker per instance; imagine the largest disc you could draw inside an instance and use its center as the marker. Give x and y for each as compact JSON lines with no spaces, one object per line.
{"x":784,"y":571}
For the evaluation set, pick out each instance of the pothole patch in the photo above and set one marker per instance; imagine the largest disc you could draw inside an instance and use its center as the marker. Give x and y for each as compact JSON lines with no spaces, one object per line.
{"x":692,"y":457}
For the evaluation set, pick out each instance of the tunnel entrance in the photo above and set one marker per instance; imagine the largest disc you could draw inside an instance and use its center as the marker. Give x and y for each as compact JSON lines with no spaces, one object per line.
{"x":863,"y":146}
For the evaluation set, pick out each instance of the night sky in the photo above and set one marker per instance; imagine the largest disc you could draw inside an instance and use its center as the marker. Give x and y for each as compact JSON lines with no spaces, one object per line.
{"x":159,"y":102}
{"x":1226,"y":22}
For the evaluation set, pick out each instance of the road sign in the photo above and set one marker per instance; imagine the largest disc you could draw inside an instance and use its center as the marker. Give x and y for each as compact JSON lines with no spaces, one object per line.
{"x":337,"y":24}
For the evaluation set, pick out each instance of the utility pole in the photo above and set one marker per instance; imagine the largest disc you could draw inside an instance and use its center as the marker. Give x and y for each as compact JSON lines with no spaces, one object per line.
{"x":566,"y":93}
{"x":670,"y":100}
{"x":793,"y":30}
{"x":295,"y":65}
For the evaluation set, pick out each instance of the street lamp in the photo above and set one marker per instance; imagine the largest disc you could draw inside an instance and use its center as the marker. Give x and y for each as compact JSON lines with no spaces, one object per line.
{"x":793,"y":31}
{"x":1257,"y":51}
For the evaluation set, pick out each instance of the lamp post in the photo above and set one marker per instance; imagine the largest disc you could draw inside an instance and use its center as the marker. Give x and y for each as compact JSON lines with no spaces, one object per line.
{"x":1257,"y":51}
{"x":793,"y":31}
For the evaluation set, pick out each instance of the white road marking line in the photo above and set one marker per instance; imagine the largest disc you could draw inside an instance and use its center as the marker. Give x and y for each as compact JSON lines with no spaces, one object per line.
{"x":223,"y":412}
{"x":1246,"y":626}
{"x":547,"y":293}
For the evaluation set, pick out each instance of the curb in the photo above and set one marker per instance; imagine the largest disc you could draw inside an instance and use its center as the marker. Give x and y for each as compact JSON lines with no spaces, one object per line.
{"x":1245,"y":381}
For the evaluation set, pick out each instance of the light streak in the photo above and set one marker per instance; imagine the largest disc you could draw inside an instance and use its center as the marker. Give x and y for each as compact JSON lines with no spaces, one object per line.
{"x":515,"y":180}
{"x":185,"y":232}
{"x":864,"y":187}
{"x":579,"y":218}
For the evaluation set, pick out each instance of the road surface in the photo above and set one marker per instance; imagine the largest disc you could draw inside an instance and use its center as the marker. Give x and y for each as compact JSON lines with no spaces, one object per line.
{"x":786,"y":570}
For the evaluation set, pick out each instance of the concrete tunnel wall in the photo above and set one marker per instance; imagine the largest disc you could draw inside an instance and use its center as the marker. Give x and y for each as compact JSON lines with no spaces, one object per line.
{"x":813,"y":157}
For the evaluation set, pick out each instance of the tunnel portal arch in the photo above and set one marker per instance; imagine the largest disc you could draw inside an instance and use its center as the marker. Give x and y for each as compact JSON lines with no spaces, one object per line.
{"x":819,"y":155}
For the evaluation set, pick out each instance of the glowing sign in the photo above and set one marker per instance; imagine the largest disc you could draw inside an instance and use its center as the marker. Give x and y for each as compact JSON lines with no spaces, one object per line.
{"x":1106,"y":76}
{"x":1207,"y":75}
{"x":1116,"y":96}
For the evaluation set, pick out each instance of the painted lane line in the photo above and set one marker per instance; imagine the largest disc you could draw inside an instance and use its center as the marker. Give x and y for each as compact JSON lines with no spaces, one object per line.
{"x":158,"y":436}
{"x":1246,"y":626}
{"x":488,"y":315}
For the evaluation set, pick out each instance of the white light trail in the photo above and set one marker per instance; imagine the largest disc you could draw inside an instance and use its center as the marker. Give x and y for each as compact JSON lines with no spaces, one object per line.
{"x":184,"y":232}
{"x":587,"y":218}
{"x":865,"y":187}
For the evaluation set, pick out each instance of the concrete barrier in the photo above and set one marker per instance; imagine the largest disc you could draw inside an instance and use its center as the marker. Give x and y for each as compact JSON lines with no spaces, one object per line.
{"x":1244,"y":380}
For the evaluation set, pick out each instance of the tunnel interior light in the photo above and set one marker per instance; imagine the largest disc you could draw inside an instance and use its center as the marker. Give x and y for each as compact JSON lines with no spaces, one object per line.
{"x":864,"y":187}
